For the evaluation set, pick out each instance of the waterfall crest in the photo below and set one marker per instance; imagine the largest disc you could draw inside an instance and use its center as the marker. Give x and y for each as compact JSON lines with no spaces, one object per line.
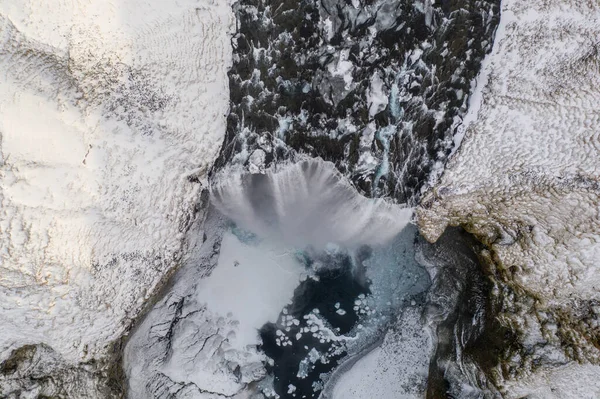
{"x":307,"y":203}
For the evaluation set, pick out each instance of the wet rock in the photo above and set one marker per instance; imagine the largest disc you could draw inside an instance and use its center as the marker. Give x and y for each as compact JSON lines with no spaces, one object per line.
{"x":377,"y":87}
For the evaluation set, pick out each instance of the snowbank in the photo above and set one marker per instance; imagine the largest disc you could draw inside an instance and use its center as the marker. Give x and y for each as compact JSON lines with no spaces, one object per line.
{"x":111,"y":114}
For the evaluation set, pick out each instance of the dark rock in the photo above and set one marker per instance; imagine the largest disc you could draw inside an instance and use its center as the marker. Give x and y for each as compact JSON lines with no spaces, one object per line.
{"x":286,"y":97}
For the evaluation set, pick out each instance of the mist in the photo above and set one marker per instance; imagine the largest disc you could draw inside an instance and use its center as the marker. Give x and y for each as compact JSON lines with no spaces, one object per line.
{"x":306,"y":203}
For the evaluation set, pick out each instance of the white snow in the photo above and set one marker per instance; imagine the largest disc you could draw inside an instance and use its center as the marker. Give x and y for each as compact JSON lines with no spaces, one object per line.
{"x":398,"y":368}
{"x":531,"y":155}
{"x":480,"y":83}
{"x":106,"y":108}
{"x":376,"y":96}
{"x":343,"y":68}
{"x":253,"y":283}
{"x":204,"y":333}
{"x":525,"y":177}
{"x":570,"y":381}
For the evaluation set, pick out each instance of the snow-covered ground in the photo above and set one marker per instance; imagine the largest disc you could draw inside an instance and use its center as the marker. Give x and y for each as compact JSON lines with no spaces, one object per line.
{"x":204,"y":333}
{"x":525,"y":180}
{"x":111,"y":113}
{"x":398,"y":368}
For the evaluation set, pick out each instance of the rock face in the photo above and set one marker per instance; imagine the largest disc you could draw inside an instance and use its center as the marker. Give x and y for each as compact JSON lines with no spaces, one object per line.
{"x":526,"y":183}
{"x":111,"y":114}
{"x":377,"y":87}
{"x":470,"y":342}
{"x":37,"y":371}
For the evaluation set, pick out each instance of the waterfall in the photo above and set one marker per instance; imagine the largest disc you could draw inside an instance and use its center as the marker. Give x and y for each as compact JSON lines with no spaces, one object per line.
{"x":306,"y":203}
